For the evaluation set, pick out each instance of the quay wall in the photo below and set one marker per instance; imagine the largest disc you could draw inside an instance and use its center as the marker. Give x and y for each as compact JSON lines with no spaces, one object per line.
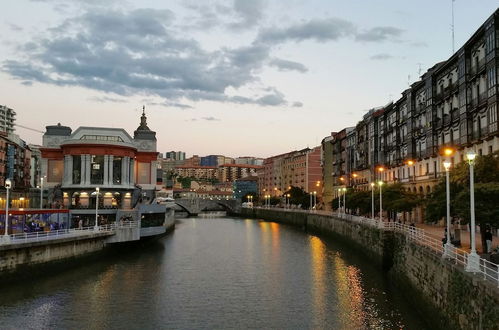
{"x":443,"y":293}
{"x":16,"y":256}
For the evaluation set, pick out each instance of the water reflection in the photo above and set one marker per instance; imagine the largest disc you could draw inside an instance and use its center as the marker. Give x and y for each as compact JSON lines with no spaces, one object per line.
{"x":214,"y":273}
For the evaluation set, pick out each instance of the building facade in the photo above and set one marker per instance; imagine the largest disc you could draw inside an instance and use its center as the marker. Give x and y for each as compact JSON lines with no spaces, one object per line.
{"x":300,"y":168}
{"x":76,"y":163}
{"x":7,"y":119}
{"x":454,"y":104}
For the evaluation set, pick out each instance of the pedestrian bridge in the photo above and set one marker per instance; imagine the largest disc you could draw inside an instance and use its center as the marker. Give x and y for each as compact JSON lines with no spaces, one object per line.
{"x":194,"y":206}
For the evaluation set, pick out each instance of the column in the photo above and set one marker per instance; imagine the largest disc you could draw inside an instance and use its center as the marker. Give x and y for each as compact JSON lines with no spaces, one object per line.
{"x":70,"y":170}
{"x":154,"y":165}
{"x":106,"y":170}
{"x":88,"y":165}
{"x":67,"y":173}
{"x":83,"y":175}
{"x":131,"y":171}
{"x":123,"y":171}
{"x":110,"y":170}
{"x":125,"y":162}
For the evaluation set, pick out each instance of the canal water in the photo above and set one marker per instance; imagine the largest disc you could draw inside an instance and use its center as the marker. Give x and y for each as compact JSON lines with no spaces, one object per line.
{"x":214,"y":273}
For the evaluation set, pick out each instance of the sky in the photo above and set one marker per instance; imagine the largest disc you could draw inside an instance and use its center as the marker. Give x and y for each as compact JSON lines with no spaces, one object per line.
{"x":236,"y":77}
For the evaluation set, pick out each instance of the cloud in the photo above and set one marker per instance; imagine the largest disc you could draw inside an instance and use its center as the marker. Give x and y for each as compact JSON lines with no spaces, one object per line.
{"x":381,"y":57}
{"x":249,"y":12}
{"x":326,"y":30}
{"x":210,"y":118}
{"x":138,"y":52}
{"x":297,"y":104}
{"x":285,"y":65}
{"x":15,"y":27}
{"x":240,"y":15}
{"x":320,"y":30}
{"x":106,"y":99}
{"x":380,"y":33}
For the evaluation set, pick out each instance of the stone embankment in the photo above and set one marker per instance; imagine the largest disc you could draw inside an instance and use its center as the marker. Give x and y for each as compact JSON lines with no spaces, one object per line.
{"x":446,"y":295}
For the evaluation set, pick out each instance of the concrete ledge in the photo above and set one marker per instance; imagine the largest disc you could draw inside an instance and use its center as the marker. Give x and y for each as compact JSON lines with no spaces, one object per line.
{"x":55,"y":240}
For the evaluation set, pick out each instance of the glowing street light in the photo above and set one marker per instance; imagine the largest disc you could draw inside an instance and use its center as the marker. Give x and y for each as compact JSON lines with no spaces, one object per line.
{"x":96,"y":227}
{"x":372,"y":199}
{"x":344,"y":200}
{"x":448,"y":245}
{"x":8,"y":185}
{"x":473,"y":264}
{"x":380,"y":183}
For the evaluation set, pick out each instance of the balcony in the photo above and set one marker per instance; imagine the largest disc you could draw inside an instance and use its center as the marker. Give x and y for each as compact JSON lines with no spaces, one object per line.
{"x":454,"y":114}
{"x":477,"y":68}
{"x":493,"y":127}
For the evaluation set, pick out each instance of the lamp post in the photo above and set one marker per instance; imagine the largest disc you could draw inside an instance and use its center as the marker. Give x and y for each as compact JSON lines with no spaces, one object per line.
{"x":473,"y":264}
{"x":380,"y":183}
{"x":289,"y":200}
{"x":344,"y":201}
{"x":96,"y":227}
{"x":339,"y":201}
{"x":41,"y":193}
{"x":410,"y":163}
{"x":372,"y":199}
{"x":8,"y":185}
{"x":448,"y":245}
{"x":315,"y":199}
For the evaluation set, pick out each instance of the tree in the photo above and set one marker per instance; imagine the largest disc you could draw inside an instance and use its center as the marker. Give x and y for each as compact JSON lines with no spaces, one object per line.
{"x":486,"y":170}
{"x":298,"y":196}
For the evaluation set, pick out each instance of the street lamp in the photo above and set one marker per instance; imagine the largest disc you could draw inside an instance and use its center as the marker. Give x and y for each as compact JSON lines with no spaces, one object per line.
{"x":8,"y":185}
{"x":344,"y":201}
{"x":315,"y":199}
{"x":380,"y":183}
{"x":473,"y":264}
{"x":339,"y":201}
{"x":289,"y":199}
{"x":96,"y":227}
{"x":372,"y":199}
{"x":410,"y":162}
{"x":448,"y":245}
{"x":41,"y":192}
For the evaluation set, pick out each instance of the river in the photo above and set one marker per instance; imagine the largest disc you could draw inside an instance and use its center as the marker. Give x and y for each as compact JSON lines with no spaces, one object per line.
{"x":214,"y":273}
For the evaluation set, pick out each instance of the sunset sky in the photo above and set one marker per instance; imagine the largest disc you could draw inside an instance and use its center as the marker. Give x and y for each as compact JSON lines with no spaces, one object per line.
{"x":236,"y":78}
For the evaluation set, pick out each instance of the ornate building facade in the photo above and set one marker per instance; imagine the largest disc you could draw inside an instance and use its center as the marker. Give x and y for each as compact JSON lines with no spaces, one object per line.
{"x":75,"y":163}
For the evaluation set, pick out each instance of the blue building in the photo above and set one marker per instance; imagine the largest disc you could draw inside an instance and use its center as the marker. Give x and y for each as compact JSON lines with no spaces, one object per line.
{"x":211,"y":160}
{"x":244,"y":186}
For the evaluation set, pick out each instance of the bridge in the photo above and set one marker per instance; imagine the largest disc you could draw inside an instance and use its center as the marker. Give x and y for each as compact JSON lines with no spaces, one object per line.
{"x":194,"y":206}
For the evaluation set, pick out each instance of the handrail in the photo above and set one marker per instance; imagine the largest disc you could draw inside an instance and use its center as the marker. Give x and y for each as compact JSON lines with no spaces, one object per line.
{"x":64,"y":233}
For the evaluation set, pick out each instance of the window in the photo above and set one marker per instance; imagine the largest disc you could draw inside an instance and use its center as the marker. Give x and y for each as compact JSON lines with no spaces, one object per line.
{"x":76,"y":176}
{"x":102,"y":138}
{"x":117,"y":162}
{"x":55,"y":169}
{"x":97,"y":170}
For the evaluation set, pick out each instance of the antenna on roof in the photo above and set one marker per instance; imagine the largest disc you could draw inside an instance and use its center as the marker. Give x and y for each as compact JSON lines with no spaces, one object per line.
{"x":452,"y":25}
{"x":409,"y":80}
{"x":419,"y":69}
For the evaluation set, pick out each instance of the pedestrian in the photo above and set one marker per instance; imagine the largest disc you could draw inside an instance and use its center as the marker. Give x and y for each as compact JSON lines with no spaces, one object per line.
{"x":80,"y":224}
{"x":488,"y":240}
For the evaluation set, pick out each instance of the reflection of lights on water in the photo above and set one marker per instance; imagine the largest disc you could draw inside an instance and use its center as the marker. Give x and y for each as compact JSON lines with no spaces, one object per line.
{"x":319,"y":277}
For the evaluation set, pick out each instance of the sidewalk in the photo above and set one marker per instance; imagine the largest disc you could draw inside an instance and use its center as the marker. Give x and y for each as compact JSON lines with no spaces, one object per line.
{"x":438,"y":232}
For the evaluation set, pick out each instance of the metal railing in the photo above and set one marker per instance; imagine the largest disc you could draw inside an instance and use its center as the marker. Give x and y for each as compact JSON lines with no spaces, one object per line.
{"x":487,"y":269}
{"x":64,"y":233}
